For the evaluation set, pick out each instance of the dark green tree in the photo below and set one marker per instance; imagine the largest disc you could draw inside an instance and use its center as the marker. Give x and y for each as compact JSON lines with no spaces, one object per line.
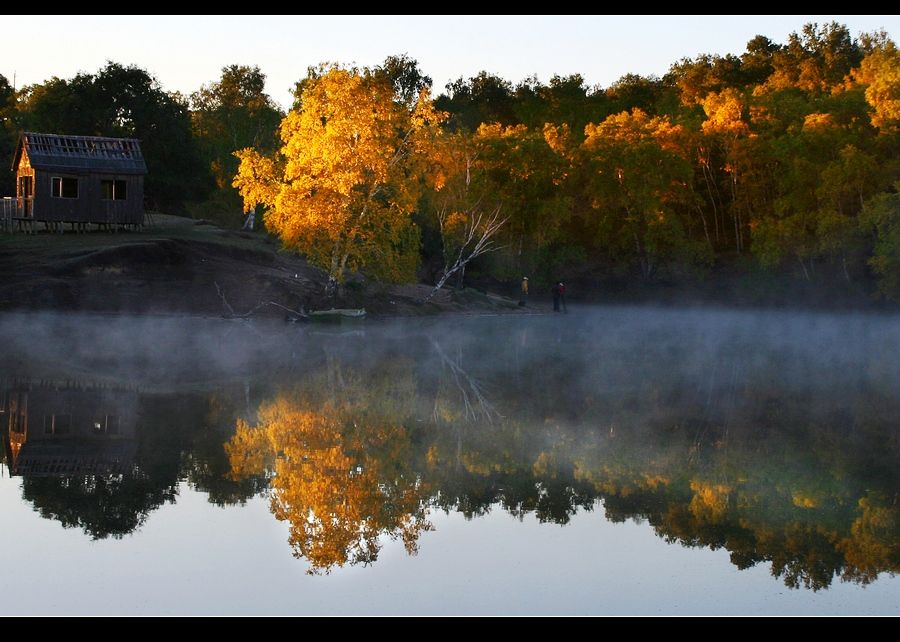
{"x":757,"y":61}
{"x":486,"y":98}
{"x":125,"y":102}
{"x":816,"y":58}
{"x":8,"y":137}
{"x":634,"y":91}
{"x":405,"y":77}
{"x":566,"y":100}
{"x":231,"y":114}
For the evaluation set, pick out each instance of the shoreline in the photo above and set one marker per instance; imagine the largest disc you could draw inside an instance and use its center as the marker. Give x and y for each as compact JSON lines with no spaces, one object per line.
{"x":194,"y":269}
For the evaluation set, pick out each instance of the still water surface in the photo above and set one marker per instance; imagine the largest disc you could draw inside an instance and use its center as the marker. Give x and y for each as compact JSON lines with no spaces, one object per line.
{"x":608,"y":461}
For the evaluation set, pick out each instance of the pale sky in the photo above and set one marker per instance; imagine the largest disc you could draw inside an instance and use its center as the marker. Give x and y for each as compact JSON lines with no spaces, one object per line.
{"x":185,"y":52}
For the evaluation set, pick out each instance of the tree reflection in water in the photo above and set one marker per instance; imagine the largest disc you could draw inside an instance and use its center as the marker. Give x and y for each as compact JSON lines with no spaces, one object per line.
{"x":721,"y":453}
{"x":768,"y":440}
{"x":338,"y":454}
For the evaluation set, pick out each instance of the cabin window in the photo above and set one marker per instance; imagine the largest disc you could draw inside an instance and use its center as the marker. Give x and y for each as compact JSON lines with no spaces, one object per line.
{"x":113,"y":190}
{"x":106,"y":425}
{"x":57,"y":424}
{"x":64,"y":187}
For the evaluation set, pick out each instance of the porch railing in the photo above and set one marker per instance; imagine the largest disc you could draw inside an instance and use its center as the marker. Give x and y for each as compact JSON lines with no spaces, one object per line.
{"x":15,"y":209}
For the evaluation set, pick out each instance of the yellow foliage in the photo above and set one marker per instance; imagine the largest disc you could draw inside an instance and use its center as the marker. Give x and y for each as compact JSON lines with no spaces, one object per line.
{"x":873,"y":546}
{"x":248,"y":451}
{"x":656,"y":481}
{"x":879,"y":72}
{"x":478,"y":463}
{"x":546,"y":466}
{"x":723,"y":113}
{"x":455,"y":223}
{"x":710,"y":500}
{"x":347,"y":178}
{"x":558,"y":138}
{"x":817,"y":123}
{"x":338,"y":454}
{"x":803,"y":500}
{"x":257,"y":179}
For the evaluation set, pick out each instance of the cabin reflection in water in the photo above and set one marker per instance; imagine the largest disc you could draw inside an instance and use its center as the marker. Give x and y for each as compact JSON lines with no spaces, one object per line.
{"x":70,"y":428}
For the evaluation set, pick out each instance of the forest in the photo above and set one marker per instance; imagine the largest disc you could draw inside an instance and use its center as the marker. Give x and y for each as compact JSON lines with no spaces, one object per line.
{"x":782,"y":158}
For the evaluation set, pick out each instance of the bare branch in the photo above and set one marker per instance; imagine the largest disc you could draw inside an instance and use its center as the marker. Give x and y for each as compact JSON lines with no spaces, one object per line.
{"x":468,"y":385}
{"x":228,"y":312}
{"x":477,"y":229}
{"x":300,"y":312}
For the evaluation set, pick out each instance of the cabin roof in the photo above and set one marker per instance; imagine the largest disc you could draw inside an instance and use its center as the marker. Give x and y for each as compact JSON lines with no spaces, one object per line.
{"x":53,"y":152}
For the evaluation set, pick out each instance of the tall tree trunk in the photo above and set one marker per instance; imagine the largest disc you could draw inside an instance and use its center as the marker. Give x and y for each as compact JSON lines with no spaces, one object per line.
{"x":712,"y":199}
{"x":335,"y":271}
{"x":460,"y":275}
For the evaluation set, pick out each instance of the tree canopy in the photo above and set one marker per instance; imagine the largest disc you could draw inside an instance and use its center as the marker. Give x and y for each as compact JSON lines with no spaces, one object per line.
{"x":124,"y":102}
{"x":772,"y":157}
{"x":231,"y":114}
{"x":343,"y":186}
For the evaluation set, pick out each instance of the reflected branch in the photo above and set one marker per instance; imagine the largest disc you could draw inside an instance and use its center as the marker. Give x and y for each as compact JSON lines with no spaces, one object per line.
{"x":470,"y":388}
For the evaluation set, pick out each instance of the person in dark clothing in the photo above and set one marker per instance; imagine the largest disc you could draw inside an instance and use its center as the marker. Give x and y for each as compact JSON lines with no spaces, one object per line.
{"x":559,"y":294}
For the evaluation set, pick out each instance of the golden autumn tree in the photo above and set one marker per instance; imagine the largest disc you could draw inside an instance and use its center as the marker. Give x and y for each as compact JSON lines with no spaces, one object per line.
{"x":346,"y":181}
{"x":879,"y":73}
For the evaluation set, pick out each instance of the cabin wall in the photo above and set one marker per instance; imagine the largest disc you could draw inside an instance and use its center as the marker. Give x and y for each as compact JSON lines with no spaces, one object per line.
{"x":44,"y":413}
{"x":89,"y":206}
{"x":25,"y":189}
{"x":62,"y":429}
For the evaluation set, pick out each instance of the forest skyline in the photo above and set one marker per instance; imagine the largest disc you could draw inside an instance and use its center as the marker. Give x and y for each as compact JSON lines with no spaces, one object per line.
{"x":784,"y":155}
{"x":184,"y":53}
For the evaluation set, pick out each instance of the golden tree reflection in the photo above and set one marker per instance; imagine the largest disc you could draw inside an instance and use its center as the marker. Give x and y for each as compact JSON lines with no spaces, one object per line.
{"x":338,"y":451}
{"x":874,"y":544}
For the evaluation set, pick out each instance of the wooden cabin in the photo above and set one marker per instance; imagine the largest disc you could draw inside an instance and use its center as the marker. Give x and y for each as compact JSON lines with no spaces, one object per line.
{"x":70,"y":428}
{"x":80,"y":180}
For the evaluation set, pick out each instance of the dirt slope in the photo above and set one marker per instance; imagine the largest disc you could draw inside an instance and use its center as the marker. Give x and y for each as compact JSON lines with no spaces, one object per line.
{"x":186,"y":267}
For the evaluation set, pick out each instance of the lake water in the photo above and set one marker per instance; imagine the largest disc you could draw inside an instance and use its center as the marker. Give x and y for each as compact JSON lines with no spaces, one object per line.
{"x":607,"y":461}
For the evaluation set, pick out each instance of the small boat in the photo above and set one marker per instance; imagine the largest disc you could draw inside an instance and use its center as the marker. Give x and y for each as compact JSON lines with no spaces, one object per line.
{"x":338,"y":315}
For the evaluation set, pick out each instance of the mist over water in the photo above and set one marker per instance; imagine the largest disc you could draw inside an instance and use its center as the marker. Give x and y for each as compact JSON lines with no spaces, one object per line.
{"x":617,"y":341}
{"x":769,"y":435}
